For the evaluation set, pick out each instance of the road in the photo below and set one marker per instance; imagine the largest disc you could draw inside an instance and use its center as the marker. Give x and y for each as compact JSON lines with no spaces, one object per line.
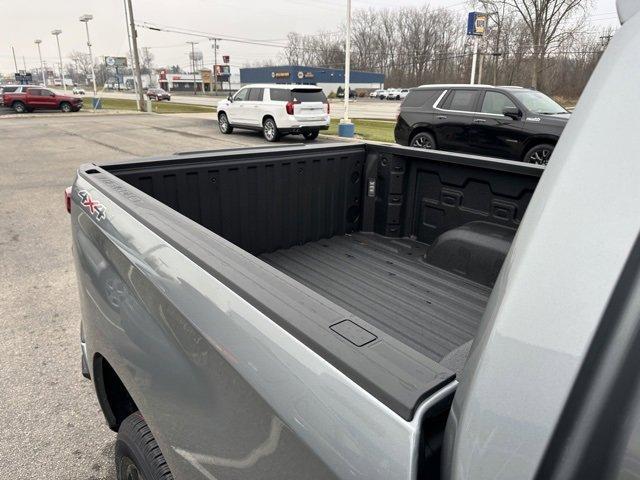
{"x":361,"y":108}
{"x":52,"y":427}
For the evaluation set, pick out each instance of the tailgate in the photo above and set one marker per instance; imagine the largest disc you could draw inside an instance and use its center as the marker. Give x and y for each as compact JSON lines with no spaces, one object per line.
{"x":309,"y":111}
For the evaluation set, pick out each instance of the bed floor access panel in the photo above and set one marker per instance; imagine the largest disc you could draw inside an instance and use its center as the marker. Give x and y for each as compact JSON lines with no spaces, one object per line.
{"x":387,"y":283}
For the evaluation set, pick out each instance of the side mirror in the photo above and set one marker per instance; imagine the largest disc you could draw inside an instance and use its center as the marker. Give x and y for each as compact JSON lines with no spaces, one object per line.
{"x":511,"y":112}
{"x":230,"y":98}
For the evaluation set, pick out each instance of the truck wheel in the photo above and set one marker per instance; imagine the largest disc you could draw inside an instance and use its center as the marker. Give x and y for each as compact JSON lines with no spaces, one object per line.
{"x":65,"y":107}
{"x":138,"y":455}
{"x":539,"y":155}
{"x":311,"y":134}
{"x":19,"y":107}
{"x":270,"y":130}
{"x":423,"y":140}
{"x":224,"y":125}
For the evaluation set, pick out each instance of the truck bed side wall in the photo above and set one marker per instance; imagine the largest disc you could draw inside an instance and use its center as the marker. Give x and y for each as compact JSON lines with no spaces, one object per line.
{"x":264,"y":204}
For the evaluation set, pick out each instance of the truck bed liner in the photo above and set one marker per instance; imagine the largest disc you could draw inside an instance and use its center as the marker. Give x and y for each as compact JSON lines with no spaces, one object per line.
{"x":387,"y":283}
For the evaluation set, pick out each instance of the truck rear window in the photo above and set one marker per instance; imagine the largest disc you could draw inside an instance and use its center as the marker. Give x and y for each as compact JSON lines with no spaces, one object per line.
{"x":298,"y":95}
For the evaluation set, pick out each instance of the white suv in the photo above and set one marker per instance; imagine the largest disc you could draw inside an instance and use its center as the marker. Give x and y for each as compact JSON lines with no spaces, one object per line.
{"x":276,"y":110}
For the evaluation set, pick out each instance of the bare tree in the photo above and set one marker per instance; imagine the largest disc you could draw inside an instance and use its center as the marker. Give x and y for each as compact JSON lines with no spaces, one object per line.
{"x":80,"y":66}
{"x":549,"y":22}
{"x":417,"y":45}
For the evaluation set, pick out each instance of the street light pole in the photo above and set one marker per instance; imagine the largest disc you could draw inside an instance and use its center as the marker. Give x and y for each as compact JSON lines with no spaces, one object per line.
{"x":15,"y":62}
{"x":85,"y":19}
{"x":346,"y":128}
{"x":57,"y":35}
{"x":347,"y":64}
{"x":44,"y":78}
{"x":136,"y":57}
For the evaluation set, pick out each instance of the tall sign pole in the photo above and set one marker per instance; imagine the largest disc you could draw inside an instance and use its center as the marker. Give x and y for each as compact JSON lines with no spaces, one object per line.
{"x":136,"y":57}
{"x":476,"y":26}
{"x":475,"y":60}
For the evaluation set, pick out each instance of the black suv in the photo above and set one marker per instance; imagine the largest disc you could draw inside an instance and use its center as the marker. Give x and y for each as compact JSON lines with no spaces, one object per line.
{"x":508,"y":122}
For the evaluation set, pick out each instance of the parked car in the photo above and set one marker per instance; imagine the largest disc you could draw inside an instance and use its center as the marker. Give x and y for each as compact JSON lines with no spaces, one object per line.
{"x":158,"y":94}
{"x":352,"y":93}
{"x":377,"y":93}
{"x":78,"y":91}
{"x":392,"y":94}
{"x":29,"y":98}
{"x":397,"y":93}
{"x":276,"y":110}
{"x":506,"y":122}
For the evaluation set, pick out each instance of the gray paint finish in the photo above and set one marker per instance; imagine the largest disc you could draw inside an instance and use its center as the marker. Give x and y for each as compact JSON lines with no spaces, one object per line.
{"x":226,"y":391}
{"x":556,"y":281}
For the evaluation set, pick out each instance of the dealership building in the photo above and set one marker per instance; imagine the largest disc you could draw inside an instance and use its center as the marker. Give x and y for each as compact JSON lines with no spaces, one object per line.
{"x":329,"y":79}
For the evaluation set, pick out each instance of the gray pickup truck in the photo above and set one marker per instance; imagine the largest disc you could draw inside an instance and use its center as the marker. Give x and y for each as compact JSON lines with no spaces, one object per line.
{"x":366,"y":311}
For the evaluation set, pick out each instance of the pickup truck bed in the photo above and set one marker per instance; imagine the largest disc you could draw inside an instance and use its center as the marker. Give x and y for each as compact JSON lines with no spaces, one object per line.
{"x":388,"y":283}
{"x":361,"y":270}
{"x":406,"y":242}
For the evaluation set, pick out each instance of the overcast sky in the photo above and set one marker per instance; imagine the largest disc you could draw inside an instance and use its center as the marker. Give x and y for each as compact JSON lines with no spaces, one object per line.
{"x":251,"y":19}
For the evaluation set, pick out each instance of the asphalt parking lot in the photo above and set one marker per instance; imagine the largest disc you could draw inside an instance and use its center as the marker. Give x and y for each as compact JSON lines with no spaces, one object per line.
{"x":52,"y":427}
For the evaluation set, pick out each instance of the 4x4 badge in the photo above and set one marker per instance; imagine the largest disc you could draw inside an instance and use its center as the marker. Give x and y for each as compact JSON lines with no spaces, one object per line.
{"x":95,"y":208}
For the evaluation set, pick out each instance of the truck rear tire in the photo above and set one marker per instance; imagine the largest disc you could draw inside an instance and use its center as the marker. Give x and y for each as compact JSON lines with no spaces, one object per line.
{"x":270,"y":130}
{"x":137,"y":452}
{"x":539,"y":155}
{"x":423,"y":140}
{"x":19,"y":107}
{"x":311,"y":134}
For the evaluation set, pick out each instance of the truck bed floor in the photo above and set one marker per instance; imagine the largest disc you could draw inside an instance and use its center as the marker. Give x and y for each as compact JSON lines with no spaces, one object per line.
{"x":387,"y":283}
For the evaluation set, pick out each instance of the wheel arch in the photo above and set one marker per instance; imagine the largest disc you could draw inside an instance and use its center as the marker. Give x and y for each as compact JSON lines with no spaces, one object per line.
{"x":114,"y":398}
{"x":271,"y":116}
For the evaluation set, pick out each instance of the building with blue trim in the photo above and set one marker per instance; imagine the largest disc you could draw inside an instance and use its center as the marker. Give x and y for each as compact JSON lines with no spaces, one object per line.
{"x":329,"y":79}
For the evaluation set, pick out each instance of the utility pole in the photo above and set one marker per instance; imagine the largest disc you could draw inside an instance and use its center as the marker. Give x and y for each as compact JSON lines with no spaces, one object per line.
{"x":193,"y":65}
{"x":136,"y":57}
{"x":136,"y":87}
{"x":14,"y":59}
{"x":85,"y":19}
{"x":57,"y":35}
{"x":215,"y":64}
{"x":44,"y":78}
{"x":480,"y":65}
